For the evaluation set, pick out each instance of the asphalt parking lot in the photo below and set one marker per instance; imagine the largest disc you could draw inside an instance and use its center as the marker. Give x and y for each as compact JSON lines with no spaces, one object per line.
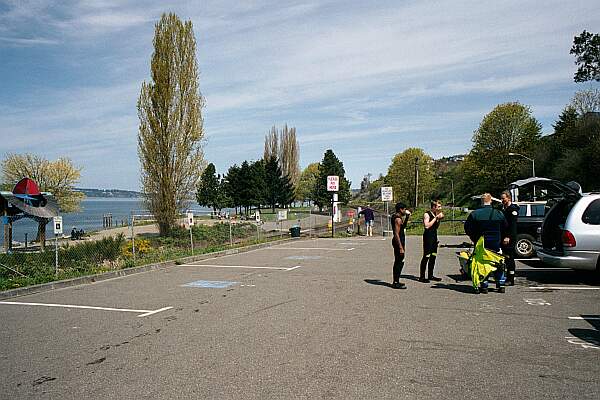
{"x":306,"y":319}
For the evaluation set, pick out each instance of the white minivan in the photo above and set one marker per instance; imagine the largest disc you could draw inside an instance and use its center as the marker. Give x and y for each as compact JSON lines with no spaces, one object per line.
{"x":570,"y":235}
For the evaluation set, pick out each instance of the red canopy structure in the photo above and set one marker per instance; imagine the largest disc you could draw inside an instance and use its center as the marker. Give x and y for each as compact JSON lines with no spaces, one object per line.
{"x":27,"y":186}
{"x":26,"y":201}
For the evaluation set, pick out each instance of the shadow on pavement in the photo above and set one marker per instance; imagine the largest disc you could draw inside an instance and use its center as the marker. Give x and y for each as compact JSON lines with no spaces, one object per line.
{"x":547,"y":276}
{"x":590,"y":336}
{"x":410,"y":277}
{"x":468,"y":289}
{"x":378,"y":282}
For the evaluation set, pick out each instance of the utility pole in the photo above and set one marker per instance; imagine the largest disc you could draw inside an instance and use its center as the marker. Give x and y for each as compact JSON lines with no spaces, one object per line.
{"x":416,"y":181}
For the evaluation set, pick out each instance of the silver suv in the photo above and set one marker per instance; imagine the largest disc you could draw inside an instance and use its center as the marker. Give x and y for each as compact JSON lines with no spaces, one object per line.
{"x":571,"y":232}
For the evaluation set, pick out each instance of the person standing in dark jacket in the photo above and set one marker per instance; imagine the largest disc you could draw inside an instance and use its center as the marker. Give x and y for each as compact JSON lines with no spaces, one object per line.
{"x":491,"y":224}
{"x":399,"y":220}
{"x":511,"y":214}
{"x":369,"y":218}
{"x":487,"y":222}
{"x":431,"y":222}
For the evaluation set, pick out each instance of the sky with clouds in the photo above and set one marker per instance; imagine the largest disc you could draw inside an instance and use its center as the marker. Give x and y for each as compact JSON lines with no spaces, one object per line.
{"x":366,"y":79}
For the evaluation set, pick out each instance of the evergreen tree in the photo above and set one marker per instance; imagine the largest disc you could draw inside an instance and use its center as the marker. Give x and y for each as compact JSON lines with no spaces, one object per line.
{"x":330,"y":165}
{"x":245,"y":190}
{"x":257,"y":183}
{"x":232,"y":186}
{"x":278,"y":188}
{"x":208,"y":189}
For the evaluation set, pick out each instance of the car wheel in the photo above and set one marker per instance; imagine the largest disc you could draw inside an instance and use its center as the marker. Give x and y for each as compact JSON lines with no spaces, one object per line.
{"x":524,"y":246}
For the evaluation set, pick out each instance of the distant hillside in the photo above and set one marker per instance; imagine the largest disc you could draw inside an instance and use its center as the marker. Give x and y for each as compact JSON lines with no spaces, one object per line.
{"x":114,"y":193}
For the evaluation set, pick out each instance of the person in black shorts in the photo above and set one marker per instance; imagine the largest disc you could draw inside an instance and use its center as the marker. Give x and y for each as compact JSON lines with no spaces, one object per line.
{"x":399,"y":220}
{"x":431,"y":222}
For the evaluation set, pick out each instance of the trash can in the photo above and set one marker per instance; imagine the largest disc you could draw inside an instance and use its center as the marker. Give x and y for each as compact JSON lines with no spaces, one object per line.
{"x":295,"y":231}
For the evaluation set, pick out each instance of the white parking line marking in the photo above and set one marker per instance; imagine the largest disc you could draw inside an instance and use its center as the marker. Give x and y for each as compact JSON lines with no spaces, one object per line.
{"x":154,"y":312}
{"x":565,"y":287}
{"x":290,"y":269}
{"x":235,"y":266}
{"x":145,"y":313}
{"x":585,"y":344}
{"x":586,"y":318}
{"x":308,"y":248}
{"x":537,"y":302}
{"x":533,"y":269}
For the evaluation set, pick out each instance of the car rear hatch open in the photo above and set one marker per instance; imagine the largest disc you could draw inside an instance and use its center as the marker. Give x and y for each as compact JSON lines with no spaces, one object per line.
{"x":560,"y":199}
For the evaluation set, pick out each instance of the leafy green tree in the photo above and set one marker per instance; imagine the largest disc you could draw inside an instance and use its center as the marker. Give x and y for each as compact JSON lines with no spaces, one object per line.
{"x":57,"y":177}
{"x":586,"y":48}
{"x":170,"y":131}
{"x":374,"y":189}
{"x":585,"y":101}
{"x":401,"y":176}
{"x":306,"y":183}
{"x":330,"y":165}
{"x":509,"y":127}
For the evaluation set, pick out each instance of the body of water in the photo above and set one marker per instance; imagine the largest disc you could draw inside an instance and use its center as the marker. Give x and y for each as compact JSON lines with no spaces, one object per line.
{"x":90,"y":218}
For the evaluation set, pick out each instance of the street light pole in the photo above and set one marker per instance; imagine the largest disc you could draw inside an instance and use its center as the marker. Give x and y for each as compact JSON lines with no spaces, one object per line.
{"x":532,"y":167}
{"x":453,"y":204}
{"x":530,"y":159}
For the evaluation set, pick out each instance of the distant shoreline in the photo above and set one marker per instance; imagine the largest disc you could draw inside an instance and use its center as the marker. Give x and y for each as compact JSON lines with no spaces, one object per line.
{"x":110,"y":193}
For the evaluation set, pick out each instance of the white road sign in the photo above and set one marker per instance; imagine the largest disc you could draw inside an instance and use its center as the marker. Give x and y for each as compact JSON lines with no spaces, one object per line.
{"x":333,"y":183}
{"x":58,"y":225}
{"x":190,"y":219}
{"x":387,"y":193}
{"x":282,"y":215}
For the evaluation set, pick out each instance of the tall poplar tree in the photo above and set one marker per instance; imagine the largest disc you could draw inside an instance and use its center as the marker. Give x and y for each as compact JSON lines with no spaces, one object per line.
{"x":289,"y":155}
{"x":171,"y":130}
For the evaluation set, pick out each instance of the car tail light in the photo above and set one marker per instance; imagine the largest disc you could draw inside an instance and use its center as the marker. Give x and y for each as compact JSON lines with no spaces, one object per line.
{"x":568,"y":239}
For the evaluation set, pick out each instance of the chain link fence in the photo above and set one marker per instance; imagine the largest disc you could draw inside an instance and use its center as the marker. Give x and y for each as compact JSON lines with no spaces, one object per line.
{"x":111,"y":241}
{"x":114,"y":241}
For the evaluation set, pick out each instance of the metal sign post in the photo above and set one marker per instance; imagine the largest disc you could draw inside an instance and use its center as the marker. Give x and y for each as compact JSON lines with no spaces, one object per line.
{"x":281,"y":216}
{"x":333,"y":185}
{"x":190,"y":223}
{"x":387,"y":195}
{"x":58,"y":230}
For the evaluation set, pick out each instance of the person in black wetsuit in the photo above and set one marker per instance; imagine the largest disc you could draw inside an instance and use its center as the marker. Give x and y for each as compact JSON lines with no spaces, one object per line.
{"x":399,"y":220}
{"x":511,"y":213}
{"x":431,"y":222}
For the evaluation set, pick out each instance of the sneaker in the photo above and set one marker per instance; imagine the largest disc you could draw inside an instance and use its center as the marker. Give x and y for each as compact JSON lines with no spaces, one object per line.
{"x":435,"y":278}
{"x":423,"y":280}
{"x":483,"y":290}
{"x":398,"y":285}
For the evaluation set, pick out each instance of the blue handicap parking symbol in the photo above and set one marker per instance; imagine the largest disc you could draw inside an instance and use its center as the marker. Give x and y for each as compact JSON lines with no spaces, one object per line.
{"x":210,"y":284}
